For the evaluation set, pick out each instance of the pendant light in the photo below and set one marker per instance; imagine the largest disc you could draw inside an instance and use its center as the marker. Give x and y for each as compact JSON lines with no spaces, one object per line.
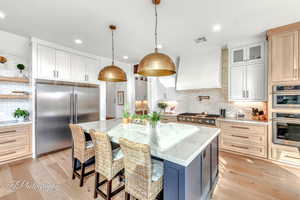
{"x":112,"y":73}
{"x":156,"y":64}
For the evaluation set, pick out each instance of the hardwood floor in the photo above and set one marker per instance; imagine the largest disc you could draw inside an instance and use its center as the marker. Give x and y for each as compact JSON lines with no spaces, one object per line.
{"x":240,"y":178}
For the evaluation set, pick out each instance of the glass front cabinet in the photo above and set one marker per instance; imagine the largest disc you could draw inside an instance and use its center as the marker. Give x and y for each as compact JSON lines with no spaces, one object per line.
{"x":251,"y":54}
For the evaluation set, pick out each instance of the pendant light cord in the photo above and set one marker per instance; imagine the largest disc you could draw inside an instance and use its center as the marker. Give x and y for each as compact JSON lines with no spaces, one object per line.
{"x":113,"y":47}
{"x":155,"y":33}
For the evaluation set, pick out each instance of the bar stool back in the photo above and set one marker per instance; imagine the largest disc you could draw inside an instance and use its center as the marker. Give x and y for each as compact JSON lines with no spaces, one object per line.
{"x":143,"y":175}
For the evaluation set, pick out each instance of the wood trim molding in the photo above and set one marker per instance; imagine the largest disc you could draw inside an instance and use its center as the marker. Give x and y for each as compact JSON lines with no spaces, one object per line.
{"x":289,"y":27}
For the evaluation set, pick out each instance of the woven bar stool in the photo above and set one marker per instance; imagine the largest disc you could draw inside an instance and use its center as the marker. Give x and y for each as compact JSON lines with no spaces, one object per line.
{"x":109,"y":164}
{"x":143,"y":175}
{"x":83,"y":151}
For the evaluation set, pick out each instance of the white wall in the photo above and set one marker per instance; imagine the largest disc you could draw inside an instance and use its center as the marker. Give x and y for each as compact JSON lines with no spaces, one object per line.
{"x":198,"y":70}
{"x":17,"y":51}
{"x":130,"y":96}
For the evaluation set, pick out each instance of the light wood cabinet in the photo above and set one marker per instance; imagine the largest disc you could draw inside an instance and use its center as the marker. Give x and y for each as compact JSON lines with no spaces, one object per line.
{"x":15,"y":143}
{"x":285,"y":56}
{"x":244,"y":138}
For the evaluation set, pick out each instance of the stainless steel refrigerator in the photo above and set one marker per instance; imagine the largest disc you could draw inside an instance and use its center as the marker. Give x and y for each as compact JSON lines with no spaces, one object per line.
{"x":56,"y":107}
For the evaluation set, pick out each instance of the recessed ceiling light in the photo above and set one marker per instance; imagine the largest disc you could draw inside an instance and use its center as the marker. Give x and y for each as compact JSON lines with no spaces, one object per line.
{"x":2,"y":15}
{"x":78,"y":41}
{"x":125,"y":57}
{"x":159,"y":46}
{"x":216,"y":28}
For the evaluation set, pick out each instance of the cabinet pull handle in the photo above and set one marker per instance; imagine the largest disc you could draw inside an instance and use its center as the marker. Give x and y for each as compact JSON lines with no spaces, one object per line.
{"x":239,"y":136}
{"x":239,"y":147}
{"x":87,"y":77}
{"x":239,"y":127}
{"x":292,"y":157}
{"x":243,"y":93}
{"x":8,"y":141}
{"x":247,"y":93}
{"x":57,"y":74}
{"x":8,"y":131}
{"x":54,"y":74}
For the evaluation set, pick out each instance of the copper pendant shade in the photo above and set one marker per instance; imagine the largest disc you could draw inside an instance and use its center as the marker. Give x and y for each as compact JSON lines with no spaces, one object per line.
{"x":112,"y":73}
{"x":156,"y":64}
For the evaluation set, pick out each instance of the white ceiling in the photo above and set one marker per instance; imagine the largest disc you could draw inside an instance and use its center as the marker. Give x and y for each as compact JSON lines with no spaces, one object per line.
{"x":180,"y":22}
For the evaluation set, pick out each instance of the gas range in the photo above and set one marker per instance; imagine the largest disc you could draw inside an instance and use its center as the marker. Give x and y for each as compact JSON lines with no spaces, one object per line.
{"x":199,"y":118}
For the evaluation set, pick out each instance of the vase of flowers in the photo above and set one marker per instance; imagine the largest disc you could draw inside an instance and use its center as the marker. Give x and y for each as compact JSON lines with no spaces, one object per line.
{"x":21,"y":115}
{"x":154,"y":119}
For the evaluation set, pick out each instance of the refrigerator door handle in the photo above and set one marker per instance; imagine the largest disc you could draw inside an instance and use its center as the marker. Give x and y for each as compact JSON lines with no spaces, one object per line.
{"x":71,"y":108}
{"x":76,"y":108}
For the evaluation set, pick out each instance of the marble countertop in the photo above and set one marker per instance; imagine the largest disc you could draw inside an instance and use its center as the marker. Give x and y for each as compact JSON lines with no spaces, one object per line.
{"x":13,"y":123}
{"x":243,"y":121}
{"x":175,"y":142}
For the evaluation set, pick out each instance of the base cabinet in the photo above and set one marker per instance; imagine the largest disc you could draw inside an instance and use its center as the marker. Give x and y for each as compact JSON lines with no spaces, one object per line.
{"x":15,"y":143}
{"x":244,"y":138}
{"x":195,"y":181}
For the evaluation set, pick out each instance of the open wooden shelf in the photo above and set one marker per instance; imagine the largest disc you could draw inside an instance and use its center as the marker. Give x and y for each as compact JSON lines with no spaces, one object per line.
{"x":14,"y":79}
{"x":13,"y":96}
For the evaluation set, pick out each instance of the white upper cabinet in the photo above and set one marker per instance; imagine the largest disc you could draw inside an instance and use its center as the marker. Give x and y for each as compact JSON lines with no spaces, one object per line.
{"x":250,"y":54}
{"x":46,"y":63}
{"x":247,"y":73}
{"x":78,"y":68}
{"x":92,"y":70}
{"x":238,"y":56}
{"x":237,"y":80}
{"x":256,"y":53}
{"x":63,"y":65}
{"x":256,"y":84}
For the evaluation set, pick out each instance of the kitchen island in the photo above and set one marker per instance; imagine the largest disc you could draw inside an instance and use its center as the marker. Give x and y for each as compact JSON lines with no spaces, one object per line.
{"x":189,"y":153}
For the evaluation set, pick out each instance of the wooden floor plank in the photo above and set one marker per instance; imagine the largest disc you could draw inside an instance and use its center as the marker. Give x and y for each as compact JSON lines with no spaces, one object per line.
{"x":241,"y":178}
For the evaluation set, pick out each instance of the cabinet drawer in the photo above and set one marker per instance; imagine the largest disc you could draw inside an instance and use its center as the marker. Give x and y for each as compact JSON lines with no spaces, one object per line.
{"x":244,"y":138}
{"x":286,"y":156}
{"x":14,"y":131}
{"x":255,"y":150}
{"x":13,"y":141}
{"x":238,"y":127}
{"x":14,"y":153}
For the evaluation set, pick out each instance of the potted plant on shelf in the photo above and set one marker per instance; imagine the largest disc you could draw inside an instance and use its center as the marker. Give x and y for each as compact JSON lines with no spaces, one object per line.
{"x":21,"y":115}
{"x":126,"y":115}
{"x":162,"y":106}
{"x":21,"y":67}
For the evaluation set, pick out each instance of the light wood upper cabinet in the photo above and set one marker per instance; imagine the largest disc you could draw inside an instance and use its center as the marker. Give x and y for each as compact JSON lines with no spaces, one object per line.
{"x":285,"y":56}
{"x":46,"y":63}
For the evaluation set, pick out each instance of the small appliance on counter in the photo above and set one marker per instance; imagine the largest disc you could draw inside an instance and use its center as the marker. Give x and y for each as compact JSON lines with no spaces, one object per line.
{"x":223,"y":113}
